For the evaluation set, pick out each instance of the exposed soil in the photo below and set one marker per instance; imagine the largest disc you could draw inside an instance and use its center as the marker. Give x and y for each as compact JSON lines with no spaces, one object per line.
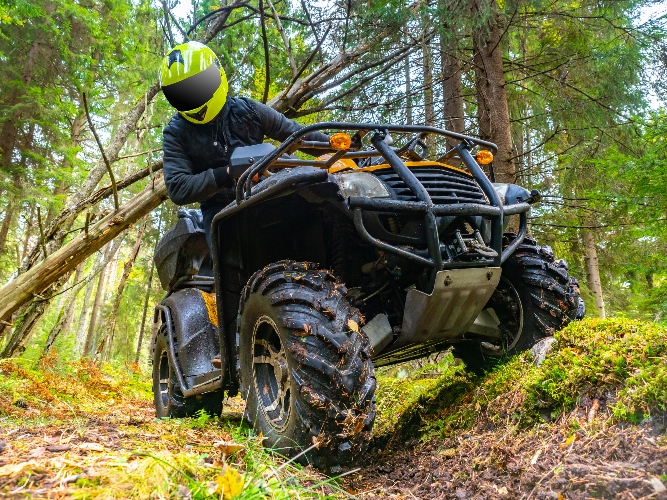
{"x":600,"y":461}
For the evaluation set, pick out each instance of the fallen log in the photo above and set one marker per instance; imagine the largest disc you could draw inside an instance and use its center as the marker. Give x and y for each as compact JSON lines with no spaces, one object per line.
{"x":29,"y":285}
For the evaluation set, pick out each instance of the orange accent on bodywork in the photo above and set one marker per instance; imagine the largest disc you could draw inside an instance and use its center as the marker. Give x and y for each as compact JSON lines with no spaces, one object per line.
{"x":211,"y":307}
{"x":409,"y":164}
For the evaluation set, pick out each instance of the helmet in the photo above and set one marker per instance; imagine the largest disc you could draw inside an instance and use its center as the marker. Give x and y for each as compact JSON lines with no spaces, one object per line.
{"x":193,"y":82}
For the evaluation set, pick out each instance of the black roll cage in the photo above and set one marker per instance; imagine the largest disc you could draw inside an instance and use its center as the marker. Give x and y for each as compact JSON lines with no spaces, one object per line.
{"x":495,"y":210}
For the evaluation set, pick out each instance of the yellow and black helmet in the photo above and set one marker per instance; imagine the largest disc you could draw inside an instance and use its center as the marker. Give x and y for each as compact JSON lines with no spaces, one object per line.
{"x":193,"y":82}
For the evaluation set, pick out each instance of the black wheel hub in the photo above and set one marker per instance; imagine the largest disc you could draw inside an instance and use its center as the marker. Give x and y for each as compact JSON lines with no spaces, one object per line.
{"x":271,"y":373}
{"x":506,"y":303}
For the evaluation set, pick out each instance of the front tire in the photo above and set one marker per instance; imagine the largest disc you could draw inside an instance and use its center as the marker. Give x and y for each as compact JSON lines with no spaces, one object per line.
{"x":535,"y":298}
{"x":167,"y":396}
{"x":305,"y":368}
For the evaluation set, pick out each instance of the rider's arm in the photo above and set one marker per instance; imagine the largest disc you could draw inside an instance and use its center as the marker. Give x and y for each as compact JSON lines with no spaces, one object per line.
{"x":184,"y":186}
{"x":278,"y":127}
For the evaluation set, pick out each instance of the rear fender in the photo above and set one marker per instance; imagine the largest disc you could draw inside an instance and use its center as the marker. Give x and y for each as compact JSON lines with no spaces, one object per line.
{"x":192,"y":324}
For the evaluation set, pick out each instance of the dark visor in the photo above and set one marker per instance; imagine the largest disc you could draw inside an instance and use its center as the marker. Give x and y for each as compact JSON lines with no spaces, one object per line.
{"x":194,"y":91}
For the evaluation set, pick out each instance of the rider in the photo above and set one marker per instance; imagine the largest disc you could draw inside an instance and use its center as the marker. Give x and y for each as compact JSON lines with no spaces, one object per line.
{"x":200,"y":138}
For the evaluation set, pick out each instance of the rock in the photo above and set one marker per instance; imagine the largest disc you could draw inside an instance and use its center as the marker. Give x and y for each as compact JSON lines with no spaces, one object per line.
{"x":3,"y":447}
{"x":540,"y":350}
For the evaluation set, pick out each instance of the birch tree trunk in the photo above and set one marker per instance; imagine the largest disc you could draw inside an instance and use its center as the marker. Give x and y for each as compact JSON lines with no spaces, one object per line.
{"x":593,"y":272}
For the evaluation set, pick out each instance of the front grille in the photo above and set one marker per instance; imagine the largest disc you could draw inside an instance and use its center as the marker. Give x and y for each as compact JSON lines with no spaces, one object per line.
{"x":443,"y":185}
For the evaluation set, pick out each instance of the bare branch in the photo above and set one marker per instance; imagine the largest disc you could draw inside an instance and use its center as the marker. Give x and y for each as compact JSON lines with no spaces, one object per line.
{"x":104,"y":156}
{"x":265,"y":41}
{"x":286,"y":41}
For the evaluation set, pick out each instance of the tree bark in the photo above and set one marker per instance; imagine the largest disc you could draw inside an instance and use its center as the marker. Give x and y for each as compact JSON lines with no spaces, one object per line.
{"x":593,"y":272}
{"x":452,"y":91}
{"x":493,"y":110}
{"x":110,"y":326}
{"x":429,"y":105}
{"x":41,"y":276}
{"x":6,"y":223}
{"x":143,"y":317}
{"x":99,"y":293}
{"x":80,"y":337}
{"x":67,"y":312}
{"x":408,"y":92}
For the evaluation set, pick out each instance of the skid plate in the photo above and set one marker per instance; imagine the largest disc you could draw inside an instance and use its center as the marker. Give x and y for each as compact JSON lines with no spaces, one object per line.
{"x":459,"y":295}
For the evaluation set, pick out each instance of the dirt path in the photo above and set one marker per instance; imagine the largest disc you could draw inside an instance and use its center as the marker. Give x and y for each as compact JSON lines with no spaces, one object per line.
{"x":609,"y":462}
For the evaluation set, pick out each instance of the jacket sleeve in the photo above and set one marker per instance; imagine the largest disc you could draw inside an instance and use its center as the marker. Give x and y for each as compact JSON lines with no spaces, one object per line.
{"x":184,"y":186}
{"x":278,"y":127}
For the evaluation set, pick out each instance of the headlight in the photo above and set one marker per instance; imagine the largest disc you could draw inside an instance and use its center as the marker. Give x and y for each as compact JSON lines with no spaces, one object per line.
{"x":361,"y":184}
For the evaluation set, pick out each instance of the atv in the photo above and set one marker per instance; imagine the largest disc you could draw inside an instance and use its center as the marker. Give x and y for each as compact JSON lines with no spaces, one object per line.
{"x":324,"y":269}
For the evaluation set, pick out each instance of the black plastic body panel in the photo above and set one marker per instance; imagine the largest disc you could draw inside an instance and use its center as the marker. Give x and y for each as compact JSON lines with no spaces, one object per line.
{"x":193,"y":335}
{"x":182,"y":249}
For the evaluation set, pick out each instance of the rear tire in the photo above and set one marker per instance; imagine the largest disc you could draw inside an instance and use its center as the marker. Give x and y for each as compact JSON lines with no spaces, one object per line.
{"x":536,"y":297}
{"x":167,"y":396}
{"x":305,"y":369}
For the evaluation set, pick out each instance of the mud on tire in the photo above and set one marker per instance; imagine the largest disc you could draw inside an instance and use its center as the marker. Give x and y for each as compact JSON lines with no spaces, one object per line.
{"x":167,"y":396}
{"x":535,"y":298}
{"x":305,"y":371}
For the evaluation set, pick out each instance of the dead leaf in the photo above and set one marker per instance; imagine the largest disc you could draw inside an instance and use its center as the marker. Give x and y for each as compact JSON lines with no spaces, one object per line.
{"x":561,"y":497}
{"x":38,"y":452}
{"x":533,"y":460}
{"x":58,"y":448}
{"x":658,"y":486}
{"x":13,"y":469}
{"x":91,"y":447}
{"x":353,"y":325}
{"x":230,"y":483}
{"x":227,"y":447}
{"x":502,"y":490}
{"x":594,"y":408}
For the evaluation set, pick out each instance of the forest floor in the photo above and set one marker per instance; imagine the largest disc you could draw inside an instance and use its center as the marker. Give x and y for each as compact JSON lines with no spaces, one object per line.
{"x":590,"y":422}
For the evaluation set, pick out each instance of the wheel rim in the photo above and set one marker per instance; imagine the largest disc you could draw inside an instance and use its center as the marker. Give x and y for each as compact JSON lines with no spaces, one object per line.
{"x":271,"y":373}
{"x":506,"y":303}
{"x":164,"y":380}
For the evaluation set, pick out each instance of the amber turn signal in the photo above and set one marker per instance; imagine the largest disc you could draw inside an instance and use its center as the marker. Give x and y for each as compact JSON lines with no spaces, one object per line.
{"x":484,"y":157}
{"x":340,"y":141}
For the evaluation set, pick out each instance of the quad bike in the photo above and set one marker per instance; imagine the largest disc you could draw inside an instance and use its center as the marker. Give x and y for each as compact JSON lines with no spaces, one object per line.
{"x":323,"y":270}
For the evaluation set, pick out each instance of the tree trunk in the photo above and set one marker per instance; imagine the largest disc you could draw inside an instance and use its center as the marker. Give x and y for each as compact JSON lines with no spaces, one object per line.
{"x":110,"y":326}
{"x":429,"y":106}
{"x":493,"y":111}
{"x":80,"y":337}
{"x":408,"y":92}
{"x":452,"y":91}
{"x":99,"y":293}
{"x":6,"y":222}
{"x":593,"y":272}
{"x":143,"y":317}
{"x":41,"y":276}
{"x":67,"y":312}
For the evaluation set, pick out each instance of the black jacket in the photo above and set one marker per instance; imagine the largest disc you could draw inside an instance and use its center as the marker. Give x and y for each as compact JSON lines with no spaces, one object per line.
{"x":196,"y":156}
